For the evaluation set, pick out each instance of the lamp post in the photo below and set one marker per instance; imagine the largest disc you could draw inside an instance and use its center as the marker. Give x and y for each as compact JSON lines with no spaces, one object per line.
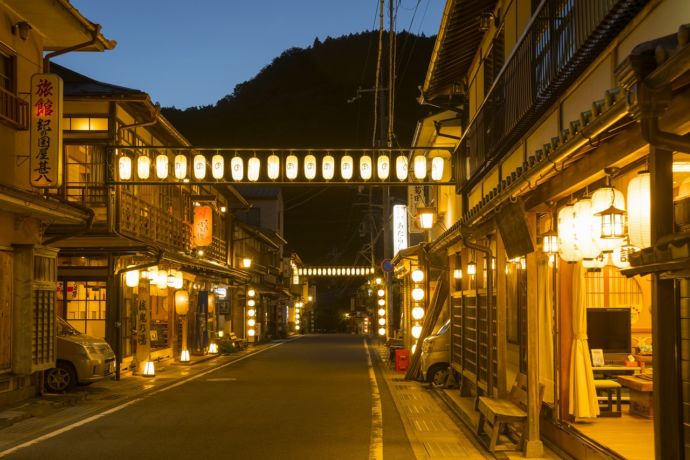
{"x":182,"y":308}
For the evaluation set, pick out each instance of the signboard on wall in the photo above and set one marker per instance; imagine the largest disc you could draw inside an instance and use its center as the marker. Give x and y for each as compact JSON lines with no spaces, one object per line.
{"x":400,"y":240}
{"x":203,"y":226}
{"x":415,"y":199}
{"x":46,"y":131}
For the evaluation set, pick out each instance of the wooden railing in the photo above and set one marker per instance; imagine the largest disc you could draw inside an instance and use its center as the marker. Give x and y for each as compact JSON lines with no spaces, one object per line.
{"x":563,"y":38}
{"x":218,"y":251}
{"x":13,"y":110}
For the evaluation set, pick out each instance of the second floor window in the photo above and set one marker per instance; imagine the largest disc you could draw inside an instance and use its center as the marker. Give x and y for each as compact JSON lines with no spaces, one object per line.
{"x":84,"y":171}
{"x":7,"y":78}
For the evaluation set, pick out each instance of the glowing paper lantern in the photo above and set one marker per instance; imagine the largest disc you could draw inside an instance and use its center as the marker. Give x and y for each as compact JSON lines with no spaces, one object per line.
{"x":328,"y":167}
{"x":600,"y":261}
{"x":179,"y":280}
{"x":609,"y":228}
{"x":417,"y":276}
{"x":199,"y":165}
{"x":251,"y":332}
{"x":251,"y":322}
{"x":567,"y":244}
{"x":217,"y":166}
{"x":437,"y":164}
{"x":420,"y":167}
{"x":237,"y":168}
{"x":584,"y":229}
{"x":291,"y":167}
{"x":621,"y":255}
{"x":162,"y":279}
{"x":417,"y":313}
{"x":416,"y":331}
{"x":143,"y":167}
{"x":125,"y":168}
{"x":346,"y":167}
{"x":381,"y":312}
{"x":181,"y":302}
{"x":273,"y":167}
{"x":382,"y":331}
{"x":401,"y":167}
{"x":180,"y":164}
{"x":202,"y":229}
{"x":417,"y":294}
{"x":383,"y":167}
{"x":132,"y":278}
{"x":253,"y":169}
{"x":382,"y":321}
{"x":365,"y":167}
{"x":162,"y":166}
{"x":310,"y":167}
{"x":639,"y":211}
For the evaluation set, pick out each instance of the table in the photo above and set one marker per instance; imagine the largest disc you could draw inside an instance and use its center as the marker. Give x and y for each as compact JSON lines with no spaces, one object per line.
{"x":641,"y":395}
{"x":612,"y":370}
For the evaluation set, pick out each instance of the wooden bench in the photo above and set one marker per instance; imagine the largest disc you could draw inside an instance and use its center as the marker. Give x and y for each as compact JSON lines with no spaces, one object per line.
{"x":500,"y":414}
{"x":608,"y":387}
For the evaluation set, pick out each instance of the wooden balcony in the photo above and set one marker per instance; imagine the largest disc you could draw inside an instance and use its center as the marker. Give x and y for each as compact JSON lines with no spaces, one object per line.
{"x":563,"y":38}
{"x":13,"y":110}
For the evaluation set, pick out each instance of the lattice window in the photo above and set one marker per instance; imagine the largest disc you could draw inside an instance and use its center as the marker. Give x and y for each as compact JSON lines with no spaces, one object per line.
{"x":608,"y":288}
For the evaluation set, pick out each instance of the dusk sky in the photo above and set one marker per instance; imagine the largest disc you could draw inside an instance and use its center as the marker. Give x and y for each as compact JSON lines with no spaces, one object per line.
{"x":190,"y":53}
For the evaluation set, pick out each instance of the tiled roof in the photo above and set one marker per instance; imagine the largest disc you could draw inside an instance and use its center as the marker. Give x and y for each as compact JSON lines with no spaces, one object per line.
{"x":78,"y":85}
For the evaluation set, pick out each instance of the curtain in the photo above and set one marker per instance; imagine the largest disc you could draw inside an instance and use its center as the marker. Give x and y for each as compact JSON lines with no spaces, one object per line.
{"x":583,"y":396}
{"x":545,"y":313}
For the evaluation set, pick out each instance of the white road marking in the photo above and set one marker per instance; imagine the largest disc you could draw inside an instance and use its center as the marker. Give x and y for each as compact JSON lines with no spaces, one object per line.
{"x":376,"y":436}
{"x":112,"y":410}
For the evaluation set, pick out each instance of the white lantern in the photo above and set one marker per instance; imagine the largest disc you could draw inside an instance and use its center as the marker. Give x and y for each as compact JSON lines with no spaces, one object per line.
{"x":251,"y":332}
{"x":125,"y":164}
{"x":383,"y":167}
{"x":273,"y":167}
{"x":417,"y":276}
{"x":600,"y":261}
{"x":251,"y":312}
{"x":310,"y":167}
{"x":381,"y":312}
{"x":217,"y":166}
{"x":381,"y":293}
{"x":143,"y":167}
{"x":382,"y":302}
{"x":237,"y":168}
{"x":162,"y":279}
{"x":365,"y":167}
{"x":251,"y":322}
{"x":416,"y":331}
{"x":162,"y":166}
{"x":417,"y":313}
{"x":184,"y":356}
{"x":457,"y":274}
{"x":251,"y":302}
{"x":420,"y":167}
{"x":567,"y":247}
{"x":132,"y":278}
{"x":621,"y":255}
{"x":181,"y":302}
{"x":437,"y":164}
{"x":401,"y":168}
{"x":199,"y":164}
{"x":382,"y":331}
{"x":639,"y":210}
{"x":149,"y":369}
{"x":417,"y":294}
{"x":291,"y":167}
{"x":179,"y":280}
{"x":180,"y":166}
{"x":346,"y":167}
{"x":253,"y":169}
{"x":382,"y":321}
{"x":608,"y":212}
{"x":584,"y":229}
{"x":328,"y":167}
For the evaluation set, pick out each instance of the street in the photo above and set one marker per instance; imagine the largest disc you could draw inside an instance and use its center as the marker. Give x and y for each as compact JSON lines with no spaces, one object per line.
{"x":309,"y":398}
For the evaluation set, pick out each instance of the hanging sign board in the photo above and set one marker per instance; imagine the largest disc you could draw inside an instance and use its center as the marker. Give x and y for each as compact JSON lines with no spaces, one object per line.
{"x":203,"y":226}
{"x":400,"y":240}
{"x":46,"y":131}
{"x":415,"y":199}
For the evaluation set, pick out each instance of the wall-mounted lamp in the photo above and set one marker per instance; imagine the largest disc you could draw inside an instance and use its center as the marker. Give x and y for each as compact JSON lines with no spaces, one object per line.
{"x":22,"y":29}
{"x":246,"y":262}
{"x":427,"y":217}
{"x":485,"y":20}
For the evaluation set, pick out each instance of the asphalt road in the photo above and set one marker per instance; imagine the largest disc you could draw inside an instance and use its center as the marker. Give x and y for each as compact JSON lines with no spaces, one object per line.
{"x":309,"y":398}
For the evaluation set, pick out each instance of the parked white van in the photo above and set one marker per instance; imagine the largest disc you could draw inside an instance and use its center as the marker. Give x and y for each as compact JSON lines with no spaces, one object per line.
{"x":435,"y":358}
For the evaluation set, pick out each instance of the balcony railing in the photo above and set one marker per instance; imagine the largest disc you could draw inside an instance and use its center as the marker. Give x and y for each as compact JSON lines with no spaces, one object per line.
{"x":13,"y":110}
{"x":218,"y":251}
{"x":562,"y":39}
{"x":146,"y":222}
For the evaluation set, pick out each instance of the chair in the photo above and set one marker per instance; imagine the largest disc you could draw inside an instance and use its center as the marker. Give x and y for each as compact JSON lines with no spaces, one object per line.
{"x":608,"y":387}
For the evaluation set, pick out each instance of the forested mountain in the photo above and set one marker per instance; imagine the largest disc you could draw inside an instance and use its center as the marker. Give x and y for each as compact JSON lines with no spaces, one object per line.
{"x":301,"y":98}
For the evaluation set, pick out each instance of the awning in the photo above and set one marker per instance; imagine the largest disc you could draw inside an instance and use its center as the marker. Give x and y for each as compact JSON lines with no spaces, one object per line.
{"x":204,"y":267}
{"x":670,"y":256}
{"x":31,"y":204}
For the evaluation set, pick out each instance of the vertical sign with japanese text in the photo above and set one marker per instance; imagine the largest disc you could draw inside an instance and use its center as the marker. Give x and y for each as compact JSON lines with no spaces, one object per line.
{"x":46,"y":130}
{"x":203,"y":226}
{"x":415,"y":199}
{"x":400,"y":240}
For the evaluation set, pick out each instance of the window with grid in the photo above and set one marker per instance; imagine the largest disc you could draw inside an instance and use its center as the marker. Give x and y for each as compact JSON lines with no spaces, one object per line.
{"x":84,"y":171}
{"x":608,"y":288}
{"x":7,"y":76}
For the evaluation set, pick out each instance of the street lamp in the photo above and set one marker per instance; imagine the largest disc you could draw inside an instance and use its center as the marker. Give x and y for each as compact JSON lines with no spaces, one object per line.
{"x":427,"y":217}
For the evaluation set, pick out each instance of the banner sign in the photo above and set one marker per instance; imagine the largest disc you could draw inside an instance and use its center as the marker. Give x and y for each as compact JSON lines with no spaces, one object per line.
{"x":415,"y":199}
{"x":46,"y":130}
{"x":400,"y":240}
{"x":203,"y":226}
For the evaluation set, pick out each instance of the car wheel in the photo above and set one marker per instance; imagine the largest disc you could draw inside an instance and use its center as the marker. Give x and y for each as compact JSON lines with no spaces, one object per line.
{"x":61,"y":378}
{"x":438,"y":375}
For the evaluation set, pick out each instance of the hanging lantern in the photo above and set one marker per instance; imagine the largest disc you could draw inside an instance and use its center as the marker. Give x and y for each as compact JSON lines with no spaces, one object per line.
{"x":566,"y":235}
{"x":132,"y":278}
{"x":251,"y":332}
{"x":381,"y":293}
{"x":437,"y":164}
{"x":417,"y":313}
{"x":125,"y":168}
{"x":621,"y":255}
{"x":457,"y":274}
{"x":426,"y":217}
{"x":550,"y":242}
{"x":417,"y":294}
{"x":417,"y":276}
{"x":382,"y":331}
{"x":608,"y":211}
{"x":162,"y":279}
{"x":401,"y":168}
{"x":291,"y":167}
{"x":172,"y":274}
{"x":420,"y":167}
{"x":181,"y":302}
{"x":382,"y":321}
{"x":179,"y":280}
{"x":639,"y":210}
{"x":382,"y":302}
{"x":153,"y":275}
{"x":584,"y":230}
{"x":237,"y":168}
{"x":381,"y":312}
{"x":143,"y":167}
{"x":416,"y":331}
{"x":273,"y":167}
{"x":199,"y":165}
{"x":365,"y":167}
{"x":598,"y":262}
{"x":253,"y":169}
{"x":471,"y":268}
{"x":180,"y":164}
{"x":162,"y":166}
{"x":217,"y":166}
{"x":346,"y":167}
{"x":310,"y":167}
{"x":251,"y":312}
{"x":328,"y":167}
{"x":383,"y":167}
{"x":251,"y":322}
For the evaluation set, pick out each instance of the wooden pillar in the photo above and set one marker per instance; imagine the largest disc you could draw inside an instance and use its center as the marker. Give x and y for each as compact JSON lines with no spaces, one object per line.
{"x":501,"y":338}
{"x":665,"y":317}
{"x":533,"y":446}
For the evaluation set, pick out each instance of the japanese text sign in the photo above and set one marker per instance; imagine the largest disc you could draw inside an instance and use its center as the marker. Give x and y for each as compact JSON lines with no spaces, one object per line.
{"x":399,"y":228}
{"x":203,"y":230}
{"x":46,"y":131}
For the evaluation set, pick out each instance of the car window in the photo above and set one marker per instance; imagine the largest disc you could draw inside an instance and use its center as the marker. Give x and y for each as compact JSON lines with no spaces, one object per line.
{"x":64,"y":328}
{"x":443,"y":328}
